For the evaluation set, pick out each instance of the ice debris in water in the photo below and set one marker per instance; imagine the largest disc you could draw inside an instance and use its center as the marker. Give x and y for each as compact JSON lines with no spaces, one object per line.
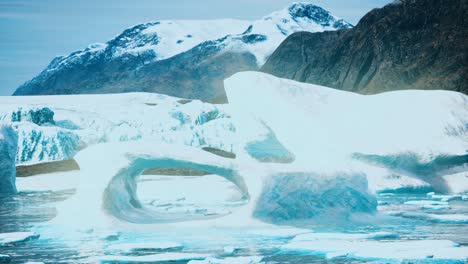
{"x":230,"y":260}
{"x":130,"y":247}
{"x":427,"y":204}
{"x":369,"y":249}
{"x":152,"y":258}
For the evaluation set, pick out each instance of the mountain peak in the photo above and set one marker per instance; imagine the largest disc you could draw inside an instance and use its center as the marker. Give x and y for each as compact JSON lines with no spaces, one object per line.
{"x":151,"y":56}
{"x":310,"y":12}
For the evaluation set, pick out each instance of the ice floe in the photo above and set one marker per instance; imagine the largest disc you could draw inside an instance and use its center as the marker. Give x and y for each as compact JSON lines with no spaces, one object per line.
{"x":170,"y":256}
{"x":230,"y":260}
{"x":429,"y":204}
{"x":129,"y":247}
{"x":17,"y":237}
{"x":368,"y":249}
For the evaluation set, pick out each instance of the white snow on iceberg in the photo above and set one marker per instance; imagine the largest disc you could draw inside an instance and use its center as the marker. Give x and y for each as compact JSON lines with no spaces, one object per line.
{"x":330,"y":130}
{"x":60,"y":126}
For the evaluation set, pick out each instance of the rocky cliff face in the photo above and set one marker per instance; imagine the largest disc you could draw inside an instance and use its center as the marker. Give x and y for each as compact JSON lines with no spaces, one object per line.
{"x":408,"y":44}
{"x":186,"y":59}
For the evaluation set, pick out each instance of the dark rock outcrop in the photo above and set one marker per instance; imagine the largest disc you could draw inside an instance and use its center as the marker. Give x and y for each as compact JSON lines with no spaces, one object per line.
{"x":408,"y":44}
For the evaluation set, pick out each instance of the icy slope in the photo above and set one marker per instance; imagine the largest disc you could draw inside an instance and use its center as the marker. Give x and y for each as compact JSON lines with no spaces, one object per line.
{"x":420,"y":134}
{"x":179,"y":58}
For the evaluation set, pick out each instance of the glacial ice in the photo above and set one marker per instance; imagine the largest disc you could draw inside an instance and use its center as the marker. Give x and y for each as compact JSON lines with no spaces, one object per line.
{"x":118,"y":166}
{"x":17,"y":237}
{"x":8,"y":146}
{"x":72,"y":123}
{"x":328,"y":169}
{"x":391,"y":158}
{"x":375,"y":137}
{"x":298,"y":196}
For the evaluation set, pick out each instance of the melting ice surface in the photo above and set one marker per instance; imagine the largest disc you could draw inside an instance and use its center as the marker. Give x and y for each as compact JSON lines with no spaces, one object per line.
{"x":312,"y":180}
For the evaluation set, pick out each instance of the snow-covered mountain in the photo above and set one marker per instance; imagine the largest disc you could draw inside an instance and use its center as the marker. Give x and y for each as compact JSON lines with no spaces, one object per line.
{"x":186,"y":59}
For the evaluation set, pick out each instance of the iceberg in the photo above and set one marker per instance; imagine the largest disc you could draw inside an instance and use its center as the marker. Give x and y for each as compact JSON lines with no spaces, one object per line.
{"x":64,"y":125}
{"x":8,"y":145}
{"x":314,"y":123}
{"x":326,"y":174}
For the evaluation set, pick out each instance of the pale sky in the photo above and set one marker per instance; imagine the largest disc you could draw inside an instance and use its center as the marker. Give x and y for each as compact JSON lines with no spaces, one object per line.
{"x":33,"y":32}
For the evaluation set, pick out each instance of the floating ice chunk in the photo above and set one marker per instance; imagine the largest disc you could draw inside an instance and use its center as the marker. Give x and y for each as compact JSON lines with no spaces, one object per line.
{"x":129,"y":247}
{"x":450,"y":218}
{"x":421,"y":249}
{"x":275,"y":231}
{"x":8,"y":146}
{"x":440,"y":218}
{"x":386,"y":194}
{"x":153,"y":257}
{"x":427,"y":204}
{"x":17,"y":237}
{"x":232,"y":260}
{"x":345,"y":236}
{"x":230,"y":250}
{"x":444,"y":197}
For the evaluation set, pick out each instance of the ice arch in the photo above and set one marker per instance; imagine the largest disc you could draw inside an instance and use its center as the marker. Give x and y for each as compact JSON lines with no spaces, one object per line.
{"x":120,"y":197}
{"x":109,"y":173}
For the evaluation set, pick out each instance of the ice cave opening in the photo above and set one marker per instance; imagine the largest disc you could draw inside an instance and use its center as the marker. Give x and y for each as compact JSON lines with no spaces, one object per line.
{"x":187,"y":191}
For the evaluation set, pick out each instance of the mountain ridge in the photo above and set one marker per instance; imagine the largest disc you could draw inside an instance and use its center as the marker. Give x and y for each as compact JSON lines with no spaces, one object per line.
{"x":407,"y":44}
{"x":182,"y":58}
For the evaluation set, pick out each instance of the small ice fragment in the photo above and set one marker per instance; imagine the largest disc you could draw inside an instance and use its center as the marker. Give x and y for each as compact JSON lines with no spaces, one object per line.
{"x":426,"y":204}
{"x":17,"y":237}
{"x":152,"y":258}
{"x":231,"y":260}
{"x":130,"y":247}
